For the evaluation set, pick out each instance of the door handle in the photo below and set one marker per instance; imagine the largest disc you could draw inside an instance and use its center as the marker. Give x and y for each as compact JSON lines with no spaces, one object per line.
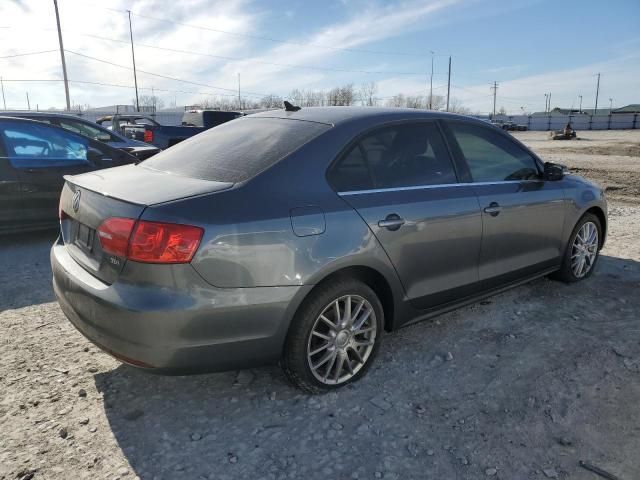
{"x":493,"y":209}
{"x":393,"y":222}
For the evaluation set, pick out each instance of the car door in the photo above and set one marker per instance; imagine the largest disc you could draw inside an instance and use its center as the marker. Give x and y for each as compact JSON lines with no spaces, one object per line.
{"x":522,"y":213}
{"x":403,"y":183}
{"x":42,"y":154}
{"x":10,"y":195}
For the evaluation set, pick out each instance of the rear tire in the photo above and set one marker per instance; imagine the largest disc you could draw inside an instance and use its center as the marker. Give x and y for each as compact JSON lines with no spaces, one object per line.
{"x":582,"y":251}
{"x":334,"y":336}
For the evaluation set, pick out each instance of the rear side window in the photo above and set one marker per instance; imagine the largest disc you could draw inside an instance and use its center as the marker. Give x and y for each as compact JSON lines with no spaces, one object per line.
{"x":236,"y":151}
{"x":491,"y":156}
{"x":393,"y":157}
{"x":30,"y":145}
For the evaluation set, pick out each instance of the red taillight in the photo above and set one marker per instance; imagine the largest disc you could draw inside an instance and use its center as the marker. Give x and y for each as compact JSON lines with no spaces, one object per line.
{"x":114,"y":235}
{"x":149,"y":242}
{"x":148,"y":136}
{"x":154,"y":242}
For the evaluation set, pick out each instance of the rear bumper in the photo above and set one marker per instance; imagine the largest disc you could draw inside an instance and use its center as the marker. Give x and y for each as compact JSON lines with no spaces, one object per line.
{"x":191,"y":328}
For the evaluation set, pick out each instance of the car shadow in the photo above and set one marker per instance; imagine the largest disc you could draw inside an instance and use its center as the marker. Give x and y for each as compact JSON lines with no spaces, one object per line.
{"x":418,"y":410}
{"x":25,"y":276}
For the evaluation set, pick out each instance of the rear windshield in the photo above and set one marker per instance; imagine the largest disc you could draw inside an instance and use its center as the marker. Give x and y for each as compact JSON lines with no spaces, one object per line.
{"x":236,"y":151}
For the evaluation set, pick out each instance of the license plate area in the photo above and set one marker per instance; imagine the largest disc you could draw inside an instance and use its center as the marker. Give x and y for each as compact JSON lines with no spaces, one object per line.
{"x":84,"y":237}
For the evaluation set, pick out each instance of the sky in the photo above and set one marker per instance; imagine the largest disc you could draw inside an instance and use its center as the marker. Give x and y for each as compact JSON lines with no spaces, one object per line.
{"x":529,"y":47}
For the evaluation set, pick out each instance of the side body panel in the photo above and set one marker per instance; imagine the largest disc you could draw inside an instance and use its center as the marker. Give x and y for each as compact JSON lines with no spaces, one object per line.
{"x":437,"y":248}
{"x":526,"y":231}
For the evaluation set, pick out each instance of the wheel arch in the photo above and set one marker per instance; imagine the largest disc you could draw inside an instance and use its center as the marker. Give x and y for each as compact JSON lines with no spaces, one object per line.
{"x":374,"y":280}
{"x":599,"y":213}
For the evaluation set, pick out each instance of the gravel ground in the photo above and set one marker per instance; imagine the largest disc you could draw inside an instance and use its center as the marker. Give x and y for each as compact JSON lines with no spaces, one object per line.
{"x":610,"y":158}
{"x":521,"y":386}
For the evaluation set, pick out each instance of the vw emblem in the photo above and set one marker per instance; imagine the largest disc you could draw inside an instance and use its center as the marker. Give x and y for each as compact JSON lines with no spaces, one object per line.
{"x":75,"y":202}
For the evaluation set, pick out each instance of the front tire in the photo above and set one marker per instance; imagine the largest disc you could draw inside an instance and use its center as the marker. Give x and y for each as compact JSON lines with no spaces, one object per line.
{"x":582,"y":251}
{"x":334,"y":336}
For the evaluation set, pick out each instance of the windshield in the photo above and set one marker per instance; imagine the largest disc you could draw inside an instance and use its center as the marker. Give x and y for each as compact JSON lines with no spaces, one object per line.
{"x":237,"y":150}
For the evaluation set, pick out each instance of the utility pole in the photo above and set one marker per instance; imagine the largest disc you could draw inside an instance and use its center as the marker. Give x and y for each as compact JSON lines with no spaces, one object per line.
{"x":549,"y":102}
{"x":449,"y":83}
{"x":64,"y":64}
{"x":28,"y":104}
{"x":239,"y":96}
{"x":495,"y":90}
{"x":580,"y":108}
{"x":595,"y":110}
{"x":3,"y":99}
{"x":133,"y":56}
{"x":431,"y":84}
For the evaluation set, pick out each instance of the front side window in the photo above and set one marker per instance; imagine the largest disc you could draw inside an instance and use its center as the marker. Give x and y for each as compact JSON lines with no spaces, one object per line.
{"x":393,"y":157}
{"x":491,"y":156}
{"x":33,"y":146}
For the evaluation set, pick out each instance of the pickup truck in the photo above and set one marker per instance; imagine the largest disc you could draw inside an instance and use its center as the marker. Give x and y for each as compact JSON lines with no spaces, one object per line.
{"x":127,"y":124}
{"x":193,"y":122}
{"x":141,"y":127}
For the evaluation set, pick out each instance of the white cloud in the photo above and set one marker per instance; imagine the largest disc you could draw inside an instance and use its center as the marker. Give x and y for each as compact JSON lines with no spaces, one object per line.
{"x":363,"y":25}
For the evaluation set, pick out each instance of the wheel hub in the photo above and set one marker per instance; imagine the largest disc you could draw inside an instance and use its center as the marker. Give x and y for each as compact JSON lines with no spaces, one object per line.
{"x":343,"y":338}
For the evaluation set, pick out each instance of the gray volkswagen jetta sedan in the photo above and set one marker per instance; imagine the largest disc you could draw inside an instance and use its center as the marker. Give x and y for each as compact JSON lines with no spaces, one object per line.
{"x":302,"y":236}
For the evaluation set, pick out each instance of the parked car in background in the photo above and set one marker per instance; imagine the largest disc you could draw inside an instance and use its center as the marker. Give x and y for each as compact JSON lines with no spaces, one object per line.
{"x":301,"y":236}
{"x":504,"y":125}
{"x":34,"y":158}
{"x":129,"y":125}
{"x":90,"y":129}
{"x":193,"y":123}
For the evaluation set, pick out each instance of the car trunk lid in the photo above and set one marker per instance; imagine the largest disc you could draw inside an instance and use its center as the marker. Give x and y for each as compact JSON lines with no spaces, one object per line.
{"x":88,"y":200}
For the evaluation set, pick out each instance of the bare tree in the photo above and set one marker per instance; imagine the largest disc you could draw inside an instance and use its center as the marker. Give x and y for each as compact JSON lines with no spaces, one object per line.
{"x":455,"y":106}
{"x":271,"y":101}
{"x":367,"y":94}
{"x":149,"y":101}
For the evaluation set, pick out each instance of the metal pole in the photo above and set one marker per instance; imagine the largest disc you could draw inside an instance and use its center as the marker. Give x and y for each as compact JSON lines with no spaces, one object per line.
{"x":28,"y":104}
{"x":431,"y":85}
{"x":546,"y":102}
{"x":449,"y":83}
{"x":239,"y":96}
{"x":610,"y":105}
{"x":549,"y":102}
{"x":595,"y":110}
{"x":133,"y":57}
{"x":495,"y":90}
{"x":64,"y":64}
{"x":3,"y":99}
{"x":580,"y":108}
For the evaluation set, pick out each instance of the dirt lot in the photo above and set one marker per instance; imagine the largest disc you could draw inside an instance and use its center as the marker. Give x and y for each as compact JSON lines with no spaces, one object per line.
{"x":521,"y":386}
{"x":609,"y":158}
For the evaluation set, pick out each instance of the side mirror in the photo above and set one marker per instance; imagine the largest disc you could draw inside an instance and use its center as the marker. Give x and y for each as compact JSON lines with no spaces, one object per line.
{"x":553,"y":171}
{"x":97,"y":157}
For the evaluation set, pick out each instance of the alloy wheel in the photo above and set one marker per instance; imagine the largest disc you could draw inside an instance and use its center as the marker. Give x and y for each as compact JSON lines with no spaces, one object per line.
{"x":584,"y":250}
{"x":342,"y":339}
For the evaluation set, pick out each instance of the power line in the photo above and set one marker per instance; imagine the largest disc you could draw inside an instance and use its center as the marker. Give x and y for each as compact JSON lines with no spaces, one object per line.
{"x":163,"y":76}
{"x":104,"y":84}
{"x":262,"y":62}
{"x":262,"y":37}
{"x":27,"y":53}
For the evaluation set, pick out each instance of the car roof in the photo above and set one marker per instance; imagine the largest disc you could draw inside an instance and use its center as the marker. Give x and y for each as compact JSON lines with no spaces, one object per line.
{"x":339,"y":115}
{"x":31,"y":114}
{"x":37,"y":122}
